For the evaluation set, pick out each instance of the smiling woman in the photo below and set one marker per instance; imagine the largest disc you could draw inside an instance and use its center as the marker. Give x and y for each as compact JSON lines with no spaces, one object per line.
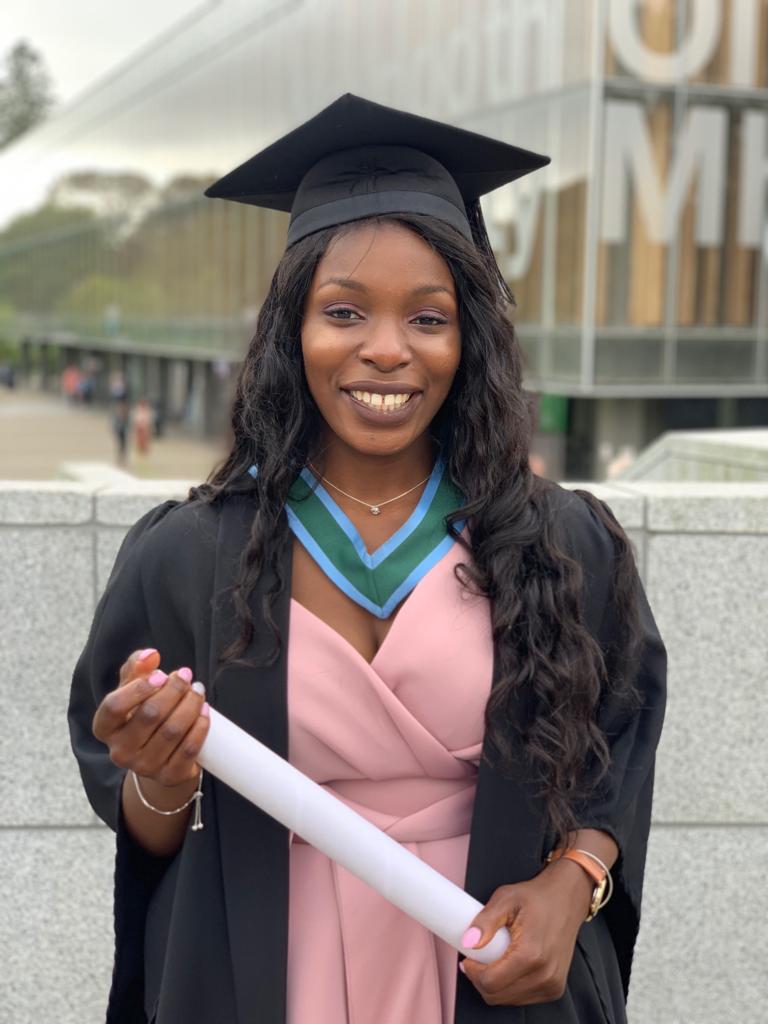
{"x":380,"y":348}
{"x":375,"y":584}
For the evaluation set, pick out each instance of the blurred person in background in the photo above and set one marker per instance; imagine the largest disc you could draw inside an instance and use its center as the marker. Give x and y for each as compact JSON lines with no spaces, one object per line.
{"x":70,"y":383}
{"x":118,"y":389}
{"x":158,"y":417}
{"x":538,"y":464}
{"x":459,"y":648}
{"x":623,"y":460}
{"x":86,"y":386}
{"x":142,"y":420}
{"x":121,"y":420}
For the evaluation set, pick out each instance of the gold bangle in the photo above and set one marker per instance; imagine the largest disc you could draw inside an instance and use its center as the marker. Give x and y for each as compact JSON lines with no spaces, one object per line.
{"x":602,"y":880}
{"x":608,"y":879}
{"x":197,"y":796}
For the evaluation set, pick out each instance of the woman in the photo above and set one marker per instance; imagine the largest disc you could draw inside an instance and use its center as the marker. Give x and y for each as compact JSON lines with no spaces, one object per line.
{"x":142,"y":417}
{"x":121,"y":417}
{"x":376,"y":585}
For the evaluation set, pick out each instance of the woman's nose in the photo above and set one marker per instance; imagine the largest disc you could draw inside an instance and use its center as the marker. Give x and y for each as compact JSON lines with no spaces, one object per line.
{"x":385,"y":346}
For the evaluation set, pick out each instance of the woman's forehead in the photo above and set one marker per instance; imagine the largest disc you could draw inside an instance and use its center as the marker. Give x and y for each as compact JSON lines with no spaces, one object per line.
{"x":376,"y":249}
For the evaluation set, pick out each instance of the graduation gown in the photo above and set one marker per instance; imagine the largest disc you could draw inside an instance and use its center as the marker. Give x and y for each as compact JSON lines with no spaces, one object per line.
{"x":203,"y":936}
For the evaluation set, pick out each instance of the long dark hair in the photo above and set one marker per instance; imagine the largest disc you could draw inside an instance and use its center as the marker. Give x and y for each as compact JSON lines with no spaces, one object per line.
{"x":551,"y":672}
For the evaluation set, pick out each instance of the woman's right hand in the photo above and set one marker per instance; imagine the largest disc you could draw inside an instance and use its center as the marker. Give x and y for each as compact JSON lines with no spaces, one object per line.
{"x":153,"y":723}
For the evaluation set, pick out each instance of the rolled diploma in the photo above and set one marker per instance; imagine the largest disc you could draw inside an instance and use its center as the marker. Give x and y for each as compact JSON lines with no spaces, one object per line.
{"x":286,"y":794}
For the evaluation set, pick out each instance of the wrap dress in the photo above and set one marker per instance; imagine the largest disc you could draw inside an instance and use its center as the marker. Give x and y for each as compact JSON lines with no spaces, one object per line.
{"x":399,"y":741}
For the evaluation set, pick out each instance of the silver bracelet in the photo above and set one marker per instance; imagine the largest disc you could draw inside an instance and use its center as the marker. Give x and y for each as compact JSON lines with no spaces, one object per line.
{"x":608,"y":876}
{"x":197,"y":796}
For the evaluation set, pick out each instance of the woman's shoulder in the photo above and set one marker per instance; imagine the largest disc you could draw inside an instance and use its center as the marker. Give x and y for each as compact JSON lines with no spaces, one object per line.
{"x":170,"y":521}
{"x":180,"y":531}
{"x":192,"y":517}
{"x":583,"y":522}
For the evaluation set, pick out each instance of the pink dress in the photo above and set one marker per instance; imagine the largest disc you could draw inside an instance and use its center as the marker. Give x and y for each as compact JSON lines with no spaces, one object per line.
{"x":398,"y":740}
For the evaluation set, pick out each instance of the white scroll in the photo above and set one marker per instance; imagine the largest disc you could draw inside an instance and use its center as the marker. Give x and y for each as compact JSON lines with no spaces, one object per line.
{"x":282,"y":791}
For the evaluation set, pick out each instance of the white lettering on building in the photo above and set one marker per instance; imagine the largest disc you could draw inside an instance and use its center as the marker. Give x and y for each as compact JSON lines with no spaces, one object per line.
{"x":753,"y":206}
{"x":743,"y":39}
{"x":631,"y":171}
{"x":693,"y":54}
{"x":700,"y":150}
{"x":501,"y":210}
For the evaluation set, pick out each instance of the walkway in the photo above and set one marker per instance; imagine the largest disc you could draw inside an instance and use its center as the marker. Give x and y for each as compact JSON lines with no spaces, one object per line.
{"x":40,"y":431}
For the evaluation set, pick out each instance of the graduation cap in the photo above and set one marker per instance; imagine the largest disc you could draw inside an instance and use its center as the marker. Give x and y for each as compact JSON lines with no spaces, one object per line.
{"x":358,"y":159}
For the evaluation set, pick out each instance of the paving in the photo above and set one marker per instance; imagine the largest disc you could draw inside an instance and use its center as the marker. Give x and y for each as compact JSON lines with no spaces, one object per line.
{"x":39,"y":432}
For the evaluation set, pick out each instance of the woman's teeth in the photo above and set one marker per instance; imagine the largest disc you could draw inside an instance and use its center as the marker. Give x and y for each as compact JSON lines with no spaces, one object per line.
{"x":383,"y":403}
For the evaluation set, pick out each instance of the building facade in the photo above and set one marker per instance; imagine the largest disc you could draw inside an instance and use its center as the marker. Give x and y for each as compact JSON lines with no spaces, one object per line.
{"x":639,"y":257}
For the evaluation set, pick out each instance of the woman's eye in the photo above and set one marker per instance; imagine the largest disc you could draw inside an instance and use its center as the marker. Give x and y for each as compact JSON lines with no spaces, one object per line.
{"x":342,"y":313}
{"x":430,"y":320}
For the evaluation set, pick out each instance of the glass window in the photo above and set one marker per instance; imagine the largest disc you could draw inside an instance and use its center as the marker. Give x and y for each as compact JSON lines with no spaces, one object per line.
{"x":721,"y":360}
{"x":637,"y":359}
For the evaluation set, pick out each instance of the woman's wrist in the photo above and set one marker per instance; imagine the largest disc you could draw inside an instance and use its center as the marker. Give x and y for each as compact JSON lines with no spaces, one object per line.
{"x":588,"y":855}
{"x":160,"y":834}
{"x":576,"y":885}
{"x":598,"y":843}
{"x":166,"y":798}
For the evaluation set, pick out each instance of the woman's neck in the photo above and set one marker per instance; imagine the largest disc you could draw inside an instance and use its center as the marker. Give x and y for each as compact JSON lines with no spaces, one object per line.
{"x":374,"y":478}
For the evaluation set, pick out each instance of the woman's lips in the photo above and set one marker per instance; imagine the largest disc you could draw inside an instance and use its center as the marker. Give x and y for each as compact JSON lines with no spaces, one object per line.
{"x":378,"y":416}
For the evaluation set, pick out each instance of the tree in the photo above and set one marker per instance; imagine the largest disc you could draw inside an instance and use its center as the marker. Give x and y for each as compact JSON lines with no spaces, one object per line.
{"x":25,"y":92}
{"x":44,"y":253}
{"x":106,"y":193}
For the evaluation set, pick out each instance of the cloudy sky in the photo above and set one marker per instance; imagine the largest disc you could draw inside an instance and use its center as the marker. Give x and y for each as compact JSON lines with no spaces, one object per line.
{"x":81,"y":40}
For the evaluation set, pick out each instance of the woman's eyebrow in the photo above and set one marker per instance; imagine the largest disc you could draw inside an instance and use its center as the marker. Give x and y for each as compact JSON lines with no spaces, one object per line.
{"x":358,"y":286}
{"x":428,"y":289}
{"x":345,"y":282}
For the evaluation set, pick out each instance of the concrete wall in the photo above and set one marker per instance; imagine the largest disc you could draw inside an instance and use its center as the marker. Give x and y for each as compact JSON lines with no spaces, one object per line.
{"x":703,"y":552}
{"x":711,"y":455}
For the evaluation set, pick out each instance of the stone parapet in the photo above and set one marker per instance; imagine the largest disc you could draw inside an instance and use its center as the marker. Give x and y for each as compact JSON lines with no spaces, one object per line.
{"x":702,"y":550}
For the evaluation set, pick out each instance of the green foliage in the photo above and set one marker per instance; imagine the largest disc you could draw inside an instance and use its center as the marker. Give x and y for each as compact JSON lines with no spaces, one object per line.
{"x":25,"y":92}
{"x":119,"y":195}
{"x":44,"y":253}
{"x":9,"y":351}
{"x":8,"y":348}
{"x":95,"y":293}
{"x":49,"y":221}
{"x":127,"y":256}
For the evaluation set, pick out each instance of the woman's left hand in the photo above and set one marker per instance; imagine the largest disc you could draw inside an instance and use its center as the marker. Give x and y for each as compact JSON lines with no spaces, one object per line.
{"x":543,"y":916}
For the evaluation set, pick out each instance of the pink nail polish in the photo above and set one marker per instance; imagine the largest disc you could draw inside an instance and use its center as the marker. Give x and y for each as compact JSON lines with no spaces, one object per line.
{"x":146,"y":653}
{"x":462,"y":968}
{"x":471,"y":937}
{"x":206,"y":710}
{"x":157,"y":678}
{"x":186,"y":674}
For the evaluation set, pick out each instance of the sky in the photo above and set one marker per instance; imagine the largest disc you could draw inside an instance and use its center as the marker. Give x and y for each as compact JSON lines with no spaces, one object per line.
{"x":81,"y":40}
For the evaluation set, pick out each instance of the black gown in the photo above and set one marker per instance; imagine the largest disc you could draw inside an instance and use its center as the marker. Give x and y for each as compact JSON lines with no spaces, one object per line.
{"x":191,"y":944}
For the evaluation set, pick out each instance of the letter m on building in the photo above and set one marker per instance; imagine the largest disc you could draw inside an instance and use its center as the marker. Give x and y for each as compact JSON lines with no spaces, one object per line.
{"x":698,"y":150}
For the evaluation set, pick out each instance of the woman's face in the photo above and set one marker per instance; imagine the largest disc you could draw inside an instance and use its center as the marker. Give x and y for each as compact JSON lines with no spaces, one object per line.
{"x":380,"y":337}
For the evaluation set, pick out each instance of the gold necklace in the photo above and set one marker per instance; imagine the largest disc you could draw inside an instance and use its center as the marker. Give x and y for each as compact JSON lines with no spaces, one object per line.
{"x":375,"y":510}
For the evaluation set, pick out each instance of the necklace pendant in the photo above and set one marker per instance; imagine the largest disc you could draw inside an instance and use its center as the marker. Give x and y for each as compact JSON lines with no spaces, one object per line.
{"x":375,"y":510}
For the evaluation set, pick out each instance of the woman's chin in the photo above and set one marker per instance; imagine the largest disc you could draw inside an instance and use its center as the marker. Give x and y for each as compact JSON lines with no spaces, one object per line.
{"x":378,"y":447}
{"x":376,"y":443}
{"x":375,"y":439}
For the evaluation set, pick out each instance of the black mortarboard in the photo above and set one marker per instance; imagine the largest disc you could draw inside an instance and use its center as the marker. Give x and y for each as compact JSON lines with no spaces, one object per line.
{"x":358,"y":159}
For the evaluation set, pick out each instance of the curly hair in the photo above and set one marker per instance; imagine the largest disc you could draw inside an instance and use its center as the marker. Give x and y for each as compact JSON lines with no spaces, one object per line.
{"x":547,"y":661}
